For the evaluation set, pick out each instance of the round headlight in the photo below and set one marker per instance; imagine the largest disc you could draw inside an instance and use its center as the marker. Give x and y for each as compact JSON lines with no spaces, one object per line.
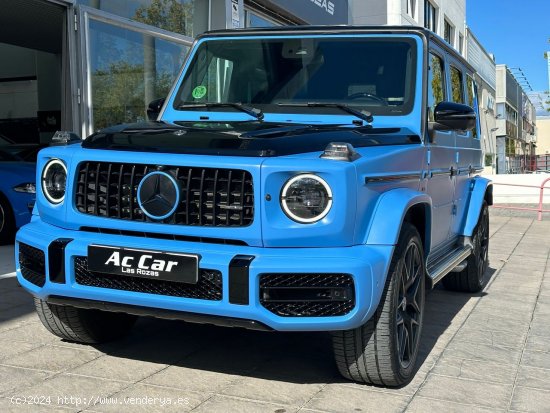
{"x":54,"y":180}
{"x":306,"y":198}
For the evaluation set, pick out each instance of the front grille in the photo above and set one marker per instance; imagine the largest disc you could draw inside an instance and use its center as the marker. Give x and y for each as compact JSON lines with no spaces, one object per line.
{"x":32,"y":262}
{"x":208,"y":196}
{"x":307,"y":295}
{"x":209,"y":286}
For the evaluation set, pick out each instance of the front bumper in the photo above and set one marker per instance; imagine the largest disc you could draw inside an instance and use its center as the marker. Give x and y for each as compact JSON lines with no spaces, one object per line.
{"x":367,"y":265}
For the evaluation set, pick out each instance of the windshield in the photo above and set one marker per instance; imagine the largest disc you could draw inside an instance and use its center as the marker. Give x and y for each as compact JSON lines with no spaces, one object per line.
{"x":367,"y":73}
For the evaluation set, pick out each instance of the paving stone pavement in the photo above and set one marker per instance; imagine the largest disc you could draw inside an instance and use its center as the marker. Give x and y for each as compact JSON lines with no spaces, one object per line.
{"x":487,"y":352}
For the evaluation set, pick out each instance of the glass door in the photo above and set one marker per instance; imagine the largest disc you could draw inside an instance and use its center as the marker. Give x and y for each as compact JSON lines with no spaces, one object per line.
{"x":125,"y":65}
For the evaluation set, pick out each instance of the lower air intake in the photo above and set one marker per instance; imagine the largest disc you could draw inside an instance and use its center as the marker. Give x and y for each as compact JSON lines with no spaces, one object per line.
{"x":307,"y":295}
{"x":32,"y":262}
{"x":209,"y":286}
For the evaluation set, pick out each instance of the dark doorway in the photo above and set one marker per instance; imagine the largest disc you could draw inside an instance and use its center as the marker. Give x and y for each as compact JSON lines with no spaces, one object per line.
{"x":31,"y":67}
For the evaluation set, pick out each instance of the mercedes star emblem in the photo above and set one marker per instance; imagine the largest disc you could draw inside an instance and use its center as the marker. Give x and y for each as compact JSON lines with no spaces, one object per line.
{"x":158,"y":195}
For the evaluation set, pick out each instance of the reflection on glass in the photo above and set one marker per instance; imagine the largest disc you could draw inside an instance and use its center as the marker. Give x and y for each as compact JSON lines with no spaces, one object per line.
{"x":187,"y":17}
{"x":128,"y":70}
{"x":471,"y":90}
{"x":255,"y":20}
{"x":456,"y":85}
{"x":436,"y":81}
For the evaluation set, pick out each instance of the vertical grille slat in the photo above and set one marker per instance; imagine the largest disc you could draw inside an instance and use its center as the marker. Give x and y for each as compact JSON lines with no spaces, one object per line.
{"x":211,"y":197}
{"x":108,"y":188}
{"x":96,"y":205}
{"x":228,"y":198}
{"x":188,"y":195}
{"x":133,"y":191}
{"x":201,"y":197}
{"x":120,"y":183}
{"x":84,"y":190}
{"x":214,"y":197}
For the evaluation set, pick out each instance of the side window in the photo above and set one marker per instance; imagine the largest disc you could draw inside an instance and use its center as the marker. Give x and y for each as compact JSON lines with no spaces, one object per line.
{"x":471,"y":91}
{"x":436,"y":84}
{"x":457,"y":85}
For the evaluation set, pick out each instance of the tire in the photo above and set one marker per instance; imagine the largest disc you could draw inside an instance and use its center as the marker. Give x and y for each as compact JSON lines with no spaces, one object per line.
{"x":7,"y":222}
{"x":383,"y":351}
{"x":82,"y":325}
{"x":471,"y":279}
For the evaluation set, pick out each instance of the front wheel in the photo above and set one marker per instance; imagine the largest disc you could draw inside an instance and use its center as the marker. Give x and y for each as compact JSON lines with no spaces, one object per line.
{"x":83,"y":325}
{"x":383,"y":351}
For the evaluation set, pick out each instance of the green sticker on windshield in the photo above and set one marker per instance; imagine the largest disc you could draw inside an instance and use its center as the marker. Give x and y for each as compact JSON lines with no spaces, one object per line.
{"x":199,"y":92}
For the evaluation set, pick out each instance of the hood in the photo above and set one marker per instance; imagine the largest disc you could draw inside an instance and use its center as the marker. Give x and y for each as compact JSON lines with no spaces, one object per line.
{"x":257,"y":139}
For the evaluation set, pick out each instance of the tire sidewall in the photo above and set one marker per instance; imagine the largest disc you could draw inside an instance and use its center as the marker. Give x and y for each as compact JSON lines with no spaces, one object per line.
{"x":409,"y":236}
{"x":7,"y":226}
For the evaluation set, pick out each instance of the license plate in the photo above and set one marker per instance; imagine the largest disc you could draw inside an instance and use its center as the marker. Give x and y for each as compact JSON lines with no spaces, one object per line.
{"x":154,"y":265}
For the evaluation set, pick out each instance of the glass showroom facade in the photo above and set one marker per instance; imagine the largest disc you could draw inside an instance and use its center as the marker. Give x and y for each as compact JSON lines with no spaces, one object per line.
{"x":88,"y":64}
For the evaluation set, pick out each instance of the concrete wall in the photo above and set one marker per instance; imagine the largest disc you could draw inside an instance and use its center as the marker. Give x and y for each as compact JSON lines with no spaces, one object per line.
{"x":369,"y":12}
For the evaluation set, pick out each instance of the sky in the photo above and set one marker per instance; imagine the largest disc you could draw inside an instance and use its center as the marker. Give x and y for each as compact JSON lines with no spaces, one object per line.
{"x":516,"y":32}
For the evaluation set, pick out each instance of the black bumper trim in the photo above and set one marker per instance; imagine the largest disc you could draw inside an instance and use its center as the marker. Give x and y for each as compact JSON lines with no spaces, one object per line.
{"x":239,"y":287}
{"x":158,"y":313}
{"x":56,"y":260}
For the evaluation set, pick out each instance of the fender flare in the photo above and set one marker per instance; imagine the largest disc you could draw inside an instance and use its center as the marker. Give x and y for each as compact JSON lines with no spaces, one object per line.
{"x":389,"y":214}
{"x":481,"y":189}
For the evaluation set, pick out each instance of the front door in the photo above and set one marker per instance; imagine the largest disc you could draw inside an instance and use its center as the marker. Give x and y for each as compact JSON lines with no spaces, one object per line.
{"x":441,"y":159}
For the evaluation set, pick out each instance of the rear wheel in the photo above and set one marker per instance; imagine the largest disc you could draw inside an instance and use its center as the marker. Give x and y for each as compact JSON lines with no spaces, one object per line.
{"x":472,"y":278}
{"x":383,"y":351}
{"x":82,"y":325}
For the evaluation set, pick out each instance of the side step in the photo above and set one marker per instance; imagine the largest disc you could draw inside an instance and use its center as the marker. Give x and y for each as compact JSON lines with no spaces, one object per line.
{"x":440,"y":268}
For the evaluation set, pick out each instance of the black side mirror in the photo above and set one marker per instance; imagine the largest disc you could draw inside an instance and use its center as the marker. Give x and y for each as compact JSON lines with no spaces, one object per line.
{"x":154,"y":108}
{"x":454,"y":116}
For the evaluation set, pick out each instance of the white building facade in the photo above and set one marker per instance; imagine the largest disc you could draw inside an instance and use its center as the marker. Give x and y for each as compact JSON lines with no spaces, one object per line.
{"x":444,"y":17}
{"x":485,"y":66}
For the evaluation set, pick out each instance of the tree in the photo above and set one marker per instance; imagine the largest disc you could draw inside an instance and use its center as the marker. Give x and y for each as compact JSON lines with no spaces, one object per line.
{"x":170,"y":15}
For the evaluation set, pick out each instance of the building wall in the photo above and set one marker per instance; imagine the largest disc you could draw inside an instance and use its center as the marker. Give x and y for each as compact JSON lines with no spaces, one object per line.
{"x":395,"y":12}
{"x":369,"y":12}
{"x":485,"y":67}
{"x":516,"y":123}
{"x":543,"y":135}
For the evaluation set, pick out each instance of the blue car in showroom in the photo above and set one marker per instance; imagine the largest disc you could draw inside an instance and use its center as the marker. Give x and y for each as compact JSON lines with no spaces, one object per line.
{"x":295,"y":179}
{"x":17,"y":194}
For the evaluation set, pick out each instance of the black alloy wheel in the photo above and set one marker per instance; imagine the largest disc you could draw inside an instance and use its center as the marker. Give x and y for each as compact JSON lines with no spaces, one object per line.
{"x":409,"y":306}
{"x":384,"y":350}
{"x":482,"y":247}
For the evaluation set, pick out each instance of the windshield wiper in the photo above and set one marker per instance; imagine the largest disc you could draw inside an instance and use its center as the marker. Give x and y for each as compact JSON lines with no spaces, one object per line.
{"x":254,"y":112}
{"x":361,"y":114}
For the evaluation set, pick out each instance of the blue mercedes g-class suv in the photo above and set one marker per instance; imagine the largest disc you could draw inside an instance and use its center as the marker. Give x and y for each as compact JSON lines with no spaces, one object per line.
{"x":295,"y":179}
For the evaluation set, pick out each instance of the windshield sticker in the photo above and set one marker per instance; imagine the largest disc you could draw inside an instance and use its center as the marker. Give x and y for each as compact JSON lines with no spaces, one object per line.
{"x":199,"y":92}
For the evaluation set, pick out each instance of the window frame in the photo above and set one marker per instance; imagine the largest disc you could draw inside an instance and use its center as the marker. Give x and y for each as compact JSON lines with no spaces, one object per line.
{"x":448,"y":29}
{"x":431,"y":12}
